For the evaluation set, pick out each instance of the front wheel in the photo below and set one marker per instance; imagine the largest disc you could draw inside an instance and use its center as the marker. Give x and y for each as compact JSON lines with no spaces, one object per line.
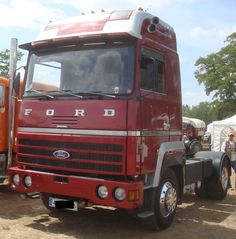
{"x":166,"y":199}
{"x":164,"y":202}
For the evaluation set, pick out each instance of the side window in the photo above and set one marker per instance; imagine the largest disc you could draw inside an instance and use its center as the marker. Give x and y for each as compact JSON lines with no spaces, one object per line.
{"x":152,"y":71}
{"x":2,"y":96}
{"x":147,"y":73}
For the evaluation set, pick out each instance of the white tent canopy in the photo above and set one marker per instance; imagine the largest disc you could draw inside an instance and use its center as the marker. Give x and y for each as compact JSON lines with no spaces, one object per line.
{"x":219,"y":131}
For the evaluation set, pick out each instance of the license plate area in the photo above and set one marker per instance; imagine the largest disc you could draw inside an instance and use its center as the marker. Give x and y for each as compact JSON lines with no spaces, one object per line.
{"x":60,"y":203}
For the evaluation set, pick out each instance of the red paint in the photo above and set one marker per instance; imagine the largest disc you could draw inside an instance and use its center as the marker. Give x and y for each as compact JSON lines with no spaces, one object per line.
{"x":80,"y":187}
{"x":92,"y":108}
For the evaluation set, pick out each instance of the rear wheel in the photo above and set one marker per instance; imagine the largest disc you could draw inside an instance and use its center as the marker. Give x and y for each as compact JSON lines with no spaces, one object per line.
{"x":217,"y":186}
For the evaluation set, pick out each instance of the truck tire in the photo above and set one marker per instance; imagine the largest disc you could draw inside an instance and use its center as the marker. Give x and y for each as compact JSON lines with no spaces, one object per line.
{"x":165,"y":202}
{"x":217,"y":185}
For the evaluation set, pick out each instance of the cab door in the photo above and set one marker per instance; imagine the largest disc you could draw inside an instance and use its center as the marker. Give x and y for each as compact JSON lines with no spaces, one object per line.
{"x":154,"y":111}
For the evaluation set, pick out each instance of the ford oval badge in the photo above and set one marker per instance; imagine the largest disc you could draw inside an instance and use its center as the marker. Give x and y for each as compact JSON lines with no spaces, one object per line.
{"x":61,"y":154}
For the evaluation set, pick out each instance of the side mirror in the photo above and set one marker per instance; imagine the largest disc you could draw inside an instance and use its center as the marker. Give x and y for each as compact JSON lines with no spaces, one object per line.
{"x":16,"y":83}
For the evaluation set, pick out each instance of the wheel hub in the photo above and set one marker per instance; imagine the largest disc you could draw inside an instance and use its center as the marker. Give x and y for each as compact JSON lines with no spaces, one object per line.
{"x":168,"y":199}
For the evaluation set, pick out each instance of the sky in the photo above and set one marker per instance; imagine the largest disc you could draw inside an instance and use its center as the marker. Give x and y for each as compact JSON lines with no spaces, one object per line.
{"x":201,"y":27}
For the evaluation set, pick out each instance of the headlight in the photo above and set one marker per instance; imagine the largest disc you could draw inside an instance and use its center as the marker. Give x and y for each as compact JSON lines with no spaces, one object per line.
{"x":102,"y":191}
{"x":120,"y":194}
{"x":16,"y":179}
{"x":28,"y":181}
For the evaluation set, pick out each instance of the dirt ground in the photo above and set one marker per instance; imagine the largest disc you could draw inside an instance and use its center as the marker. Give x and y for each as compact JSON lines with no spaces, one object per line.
{"x":195,"y":218}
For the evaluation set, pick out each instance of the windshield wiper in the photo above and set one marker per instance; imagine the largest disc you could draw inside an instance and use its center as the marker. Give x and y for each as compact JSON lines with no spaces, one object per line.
{"x":41,"y":93}
{"x":66,"y":92}
{"x":99,"y":94}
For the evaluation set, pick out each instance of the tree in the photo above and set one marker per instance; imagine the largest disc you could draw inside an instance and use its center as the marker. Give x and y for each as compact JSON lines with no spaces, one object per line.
{"x":217,"y":72}
{"x":5,"y":60}
{"x":186,"y":109}
{"x":205,"y":111}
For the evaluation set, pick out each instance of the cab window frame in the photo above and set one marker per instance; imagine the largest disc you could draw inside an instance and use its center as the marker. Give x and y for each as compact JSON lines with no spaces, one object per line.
{"x":153,"y":77}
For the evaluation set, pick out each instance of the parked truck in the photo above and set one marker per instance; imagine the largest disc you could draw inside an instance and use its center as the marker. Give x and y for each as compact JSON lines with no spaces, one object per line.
{"x":193,"y":131}
{"x":9,"y":108}
{"x":4,"y":90}
{"x":100,"y":120}
{"x":8,"y":116}
{"x":7,"y":130}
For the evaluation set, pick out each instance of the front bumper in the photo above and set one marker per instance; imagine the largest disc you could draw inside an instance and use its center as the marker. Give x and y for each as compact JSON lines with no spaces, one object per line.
{"x":78,"y":187}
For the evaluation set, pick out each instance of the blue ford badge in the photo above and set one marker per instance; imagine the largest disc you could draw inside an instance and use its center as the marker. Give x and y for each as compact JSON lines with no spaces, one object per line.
{"x":61,"y":154}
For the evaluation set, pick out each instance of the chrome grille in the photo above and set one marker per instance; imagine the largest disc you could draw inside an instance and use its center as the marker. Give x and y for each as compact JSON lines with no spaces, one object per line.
{"x":103,"y":158}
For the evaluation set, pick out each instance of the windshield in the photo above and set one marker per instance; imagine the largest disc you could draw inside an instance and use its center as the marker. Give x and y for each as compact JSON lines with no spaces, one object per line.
{"x":108,"y":70}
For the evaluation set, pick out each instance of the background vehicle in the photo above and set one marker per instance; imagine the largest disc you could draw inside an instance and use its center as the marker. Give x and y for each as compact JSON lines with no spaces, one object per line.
{"x":100,"y":120}
{"x":193,"y":131}
{"x":6,"y":130}
{"x":4,"y":91}
{"x":9,"y":108}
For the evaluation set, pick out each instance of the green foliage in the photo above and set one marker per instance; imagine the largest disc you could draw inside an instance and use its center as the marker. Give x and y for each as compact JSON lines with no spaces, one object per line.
{"x":186,"y":109}
{"x":224,"y":109}
{"x":209,"y":112}
{"x":205,"y":111}
{"x":5,"y":60}
{"x":217,"y":72}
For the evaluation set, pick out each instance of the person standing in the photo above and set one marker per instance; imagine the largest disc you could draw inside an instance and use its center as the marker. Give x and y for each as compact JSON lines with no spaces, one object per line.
{"x":229,"y":147}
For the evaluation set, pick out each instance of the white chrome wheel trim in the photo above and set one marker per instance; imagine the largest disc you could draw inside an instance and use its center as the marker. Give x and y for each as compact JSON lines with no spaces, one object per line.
{"x":168,"y":199}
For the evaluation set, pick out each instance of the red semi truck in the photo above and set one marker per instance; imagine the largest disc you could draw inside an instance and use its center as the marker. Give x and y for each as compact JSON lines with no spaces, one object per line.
{"x":100,"y":120}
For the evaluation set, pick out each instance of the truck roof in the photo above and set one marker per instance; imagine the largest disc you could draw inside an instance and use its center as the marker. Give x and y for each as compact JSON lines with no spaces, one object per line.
{"x":116,"y":22}
{"x":196,"y":123}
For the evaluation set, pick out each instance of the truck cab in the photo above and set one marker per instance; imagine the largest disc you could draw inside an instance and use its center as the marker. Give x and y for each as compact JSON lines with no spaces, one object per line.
{"x":100,"y":120}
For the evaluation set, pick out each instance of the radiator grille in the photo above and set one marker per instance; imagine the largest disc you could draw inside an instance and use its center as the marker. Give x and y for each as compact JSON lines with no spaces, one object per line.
{"x":84,"y":156}
{"x":74,"y":165}
{"x":74,"y":155}
{"x":72,"y":145}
